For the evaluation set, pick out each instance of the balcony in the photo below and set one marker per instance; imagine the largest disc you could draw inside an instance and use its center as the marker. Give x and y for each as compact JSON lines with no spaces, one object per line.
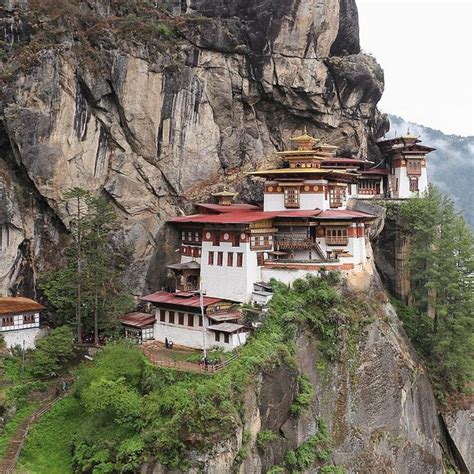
{"x":293,"y":242}
{"x":337,"y":240}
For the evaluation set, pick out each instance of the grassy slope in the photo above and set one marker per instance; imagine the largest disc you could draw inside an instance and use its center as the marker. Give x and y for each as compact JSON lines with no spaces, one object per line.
{"x":48,"y":447}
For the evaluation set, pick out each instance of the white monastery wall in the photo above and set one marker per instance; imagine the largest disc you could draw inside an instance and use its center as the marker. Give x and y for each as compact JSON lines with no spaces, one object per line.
{"x":21,"y":337}
{"x":233,"y":283}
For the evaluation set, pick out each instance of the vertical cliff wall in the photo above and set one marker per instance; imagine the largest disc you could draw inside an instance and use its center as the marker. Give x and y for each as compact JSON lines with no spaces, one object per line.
{"x":155,"y":123}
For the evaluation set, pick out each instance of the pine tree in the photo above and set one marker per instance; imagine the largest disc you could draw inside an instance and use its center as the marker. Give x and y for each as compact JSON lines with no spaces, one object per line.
{"x":90,"y":283}
{"x":441,"y":264}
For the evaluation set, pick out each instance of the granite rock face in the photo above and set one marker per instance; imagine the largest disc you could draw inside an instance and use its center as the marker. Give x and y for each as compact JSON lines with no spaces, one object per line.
{"x":377,"y":402}
{"x":155,"y":131}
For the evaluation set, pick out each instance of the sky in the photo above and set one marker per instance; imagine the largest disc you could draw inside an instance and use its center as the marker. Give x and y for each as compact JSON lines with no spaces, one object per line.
{"x":426,"y":50}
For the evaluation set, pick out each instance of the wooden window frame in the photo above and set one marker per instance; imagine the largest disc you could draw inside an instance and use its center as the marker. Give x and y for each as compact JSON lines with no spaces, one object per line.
{"x":190,"y":320}
{"x":28,"y":319}
{"x":336,"y":196}
{"x":220,"y":259}
{"x":217,"y":336}
{"x":210,"y":258}
{"x":200,"y":321}
{"x":291,"y":196}
{"x":230,"y":259}
{"x":414,"y":184}
{"x":171,"y":318}
{"x":240,"y":259}
{"x":226,"y":338}
{"x":181,"y":319}
{"x":414,"y":167}
{"x":337,"y":236}
{"x":162,"y":315}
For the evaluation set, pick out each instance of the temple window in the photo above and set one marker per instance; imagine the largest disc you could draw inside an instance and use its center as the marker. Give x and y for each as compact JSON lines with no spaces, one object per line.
{"x":28,"y":318}
{"x":226,"y":338}
{"x":414,"y":167}
{"x":210,"y":258}
{"x":240,"y":259}
{"x":335,"y":196}
{"x":220,"y":258}
{"x":190,"y":320}
{"x":230,"y":259}
{"x":181,"y":319}
{"x":7,"y":321}
{"x":413,"y":184}
{"x":200,"y":320}
{"x":218,"y":336}
{"x":162,"y":315}
{"x":171,"y":317}
{"x":292,"y":197}
{"x":337,"y":236}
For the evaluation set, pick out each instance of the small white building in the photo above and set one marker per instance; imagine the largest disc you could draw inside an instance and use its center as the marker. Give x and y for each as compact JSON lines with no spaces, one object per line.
{"x":138,"y":327}
{"x":20,"y":321}
{"x":178,"y":318}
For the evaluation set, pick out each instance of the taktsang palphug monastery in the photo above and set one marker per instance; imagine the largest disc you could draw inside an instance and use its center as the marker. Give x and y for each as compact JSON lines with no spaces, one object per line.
{"x":231,"y":251}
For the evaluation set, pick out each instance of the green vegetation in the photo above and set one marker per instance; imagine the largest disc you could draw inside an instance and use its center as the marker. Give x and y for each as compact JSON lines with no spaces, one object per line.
{"x":265,"y":437}
{"x":440,"y":317}
{"x":305,"y":395}
{"x":52,"y":352}
{"x":316,"y":448}
{"x":131,"y":410}
{"x":48,"y":447}
{"x":88,"y":290}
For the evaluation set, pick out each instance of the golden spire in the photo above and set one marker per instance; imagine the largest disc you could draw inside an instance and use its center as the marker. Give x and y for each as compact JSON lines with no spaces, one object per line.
{"x":304,"y":141}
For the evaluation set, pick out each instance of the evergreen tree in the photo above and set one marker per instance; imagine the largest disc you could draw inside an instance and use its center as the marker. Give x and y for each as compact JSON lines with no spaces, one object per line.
{"x":441,"y":264}
{"x":90,"y":284}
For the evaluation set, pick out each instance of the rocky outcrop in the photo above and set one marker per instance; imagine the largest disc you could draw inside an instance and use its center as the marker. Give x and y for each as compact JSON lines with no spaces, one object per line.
{"x":460,"y":428}
{"x":377,"y":402}
{"x":391,"y":250}
{"x":157,"y":129}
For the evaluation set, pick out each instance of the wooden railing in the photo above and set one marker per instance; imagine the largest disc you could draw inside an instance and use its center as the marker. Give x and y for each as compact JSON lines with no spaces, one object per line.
{"x":185,"y":366}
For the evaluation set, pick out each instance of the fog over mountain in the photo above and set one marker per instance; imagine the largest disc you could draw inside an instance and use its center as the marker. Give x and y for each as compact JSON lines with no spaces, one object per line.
{"x":450,"y":167}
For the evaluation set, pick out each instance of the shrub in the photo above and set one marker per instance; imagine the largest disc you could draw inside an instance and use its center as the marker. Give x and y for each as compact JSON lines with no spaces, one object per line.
{"x":52,"y":352}
{"x":304,"y":397}
{"x":265,"y":437}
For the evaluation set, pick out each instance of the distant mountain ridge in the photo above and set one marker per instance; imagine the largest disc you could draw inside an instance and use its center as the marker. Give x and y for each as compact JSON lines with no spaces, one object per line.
{"x":450,"y":167}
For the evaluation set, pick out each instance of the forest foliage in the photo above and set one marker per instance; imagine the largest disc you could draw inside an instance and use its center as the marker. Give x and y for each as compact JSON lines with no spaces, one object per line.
{"x":88,"y":291}
{"x":440,"y":316}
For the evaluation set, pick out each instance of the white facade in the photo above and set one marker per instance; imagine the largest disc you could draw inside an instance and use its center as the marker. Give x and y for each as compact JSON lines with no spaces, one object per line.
{"x":192,"y":336}
{"x":234,"y":282}
{"x":20,"y":329}
{"x":401,"y":183}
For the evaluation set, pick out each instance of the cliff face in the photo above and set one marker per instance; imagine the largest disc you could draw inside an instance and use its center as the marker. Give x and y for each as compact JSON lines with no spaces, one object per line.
{"x":376,"y":401}
{"x":156,"y":128}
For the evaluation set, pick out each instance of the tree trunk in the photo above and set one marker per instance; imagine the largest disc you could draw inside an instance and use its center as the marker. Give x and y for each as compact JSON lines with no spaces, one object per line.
{"x":96,"y":319}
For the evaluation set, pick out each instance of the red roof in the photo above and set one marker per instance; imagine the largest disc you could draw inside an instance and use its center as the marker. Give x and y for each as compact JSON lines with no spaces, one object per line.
{"x":219,"y":208}
{"x":242,"y":217}
{"x":379,"y":171}
{"x":18,"y":304}
{"x":138,"y":320}
{"x":342,"y":214}
{"x":180,"y":299}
